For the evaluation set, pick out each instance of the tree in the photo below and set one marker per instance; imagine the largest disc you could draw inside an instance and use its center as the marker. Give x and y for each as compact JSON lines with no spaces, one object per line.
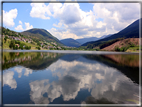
{"x":38,"y":48}
{"x":12,"y":44}
{"x":38,"y":44}
{"x":21,"y":46}
{"x":16,"y":47}
{"x":29,"y":47}
{"x":5,"y":39}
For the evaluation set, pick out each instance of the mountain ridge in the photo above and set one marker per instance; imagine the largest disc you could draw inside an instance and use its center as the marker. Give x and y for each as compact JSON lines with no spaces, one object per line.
{"x":130,"y":31}
{"x":42,"y":34}
{"x":70,"y":42}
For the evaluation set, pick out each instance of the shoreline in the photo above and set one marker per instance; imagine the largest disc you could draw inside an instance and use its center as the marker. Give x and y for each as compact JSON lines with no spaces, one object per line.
{"x":71,"y":51}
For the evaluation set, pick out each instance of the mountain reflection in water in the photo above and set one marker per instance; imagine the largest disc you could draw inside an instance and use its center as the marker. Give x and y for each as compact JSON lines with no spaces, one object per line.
{"x":53,"y":78}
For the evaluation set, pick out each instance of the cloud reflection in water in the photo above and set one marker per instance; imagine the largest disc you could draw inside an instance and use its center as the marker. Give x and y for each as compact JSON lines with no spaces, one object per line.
{"x":9,"y":80}
{"x":101,"y":80}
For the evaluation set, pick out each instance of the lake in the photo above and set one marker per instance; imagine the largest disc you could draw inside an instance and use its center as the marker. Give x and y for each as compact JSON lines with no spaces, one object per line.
{"x":31,"y":77}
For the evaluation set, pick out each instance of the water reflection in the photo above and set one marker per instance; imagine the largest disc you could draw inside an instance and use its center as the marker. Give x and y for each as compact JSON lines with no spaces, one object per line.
{"x":9,"y":80}
{"x":103,"y":81}
{"x":19,"y":70}
{"x":38,"y":89}
{"x":32,"y":60}
{"x":87,"y":79}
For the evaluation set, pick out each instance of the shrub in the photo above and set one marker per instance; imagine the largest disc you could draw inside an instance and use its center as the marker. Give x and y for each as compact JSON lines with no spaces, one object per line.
{"x":97,"y":49}
{"x":12,"y":44}
{"x":122,"y":49}
{"x":38,"y":48}
{"x":117,"y":48}
{"x":132,"y":44}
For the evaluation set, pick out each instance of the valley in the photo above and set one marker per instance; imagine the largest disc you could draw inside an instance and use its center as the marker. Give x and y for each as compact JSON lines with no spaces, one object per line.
{"x":126,"y":40}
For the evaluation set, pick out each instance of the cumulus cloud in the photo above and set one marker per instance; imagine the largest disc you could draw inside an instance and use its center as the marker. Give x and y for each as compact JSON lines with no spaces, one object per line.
{"x":85,"y":24}
{"x":40,"y":10}
{"x":117,"y":15}
{"x":69,"y":13}
{"x":20,"y":27}
{"x":62,"y":33}
{"x":28,"y":26}
{"x":58,"y":25}
{"x":80,"y":24}
{"x":8,"y":17}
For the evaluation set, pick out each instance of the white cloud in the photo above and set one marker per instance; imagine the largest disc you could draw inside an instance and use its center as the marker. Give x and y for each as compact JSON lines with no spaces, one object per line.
{"x":58,"y":25}
{"x":28,"y":26}
{"x":100,"y":24}
{"x":69,"y":13}
{"x":117,"y":15}
{"x":60,"y":34}
{"x":79,"y":23}
{"x":8,"y":17}
{"x":39,"y":10}
{"x":19,"y":27}
{"x":20,"y":22}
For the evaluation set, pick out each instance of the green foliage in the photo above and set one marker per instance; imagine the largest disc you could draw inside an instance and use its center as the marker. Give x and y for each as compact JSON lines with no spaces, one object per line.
{"x":27,"y":47}
{"x":12,"y":44}
{"x":22,"y":46}
{"x":38,"y":43}
{"x":5,"y":39}
{"x":132,"y":44}
{"x":8,"y":32}
{"x":15,"y":47}
{"x":45,"y":43}
{"x":90,"y":46}
{"x":17,"y":42}
{"x":98,"y":49}
{"x":122,"y":49}
{"x":38,"y":48}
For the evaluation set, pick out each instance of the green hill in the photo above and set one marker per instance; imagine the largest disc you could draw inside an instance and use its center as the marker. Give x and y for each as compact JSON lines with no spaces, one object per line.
{"x":42,"y":35}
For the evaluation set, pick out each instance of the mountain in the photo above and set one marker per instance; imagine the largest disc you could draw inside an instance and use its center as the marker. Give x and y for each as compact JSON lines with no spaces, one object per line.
{"x":131,"y":31}
{"x":104,"y":36}
{"x":70,"y":42}
{"x":42,"y":34}
{"x":84,"y":40}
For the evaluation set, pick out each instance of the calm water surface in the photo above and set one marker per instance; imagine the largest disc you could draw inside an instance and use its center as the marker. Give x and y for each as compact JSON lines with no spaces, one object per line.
{"x":58,"y":78}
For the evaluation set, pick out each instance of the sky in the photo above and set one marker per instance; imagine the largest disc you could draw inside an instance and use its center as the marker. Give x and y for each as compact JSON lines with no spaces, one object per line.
{"x":71,"y":20}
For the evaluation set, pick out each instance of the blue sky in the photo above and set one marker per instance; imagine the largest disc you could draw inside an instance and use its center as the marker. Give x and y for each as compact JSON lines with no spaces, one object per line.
{"x":70,"y":20}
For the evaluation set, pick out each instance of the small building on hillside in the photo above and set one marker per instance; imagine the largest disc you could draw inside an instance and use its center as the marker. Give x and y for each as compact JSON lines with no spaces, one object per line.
{"x":17,"y":45}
